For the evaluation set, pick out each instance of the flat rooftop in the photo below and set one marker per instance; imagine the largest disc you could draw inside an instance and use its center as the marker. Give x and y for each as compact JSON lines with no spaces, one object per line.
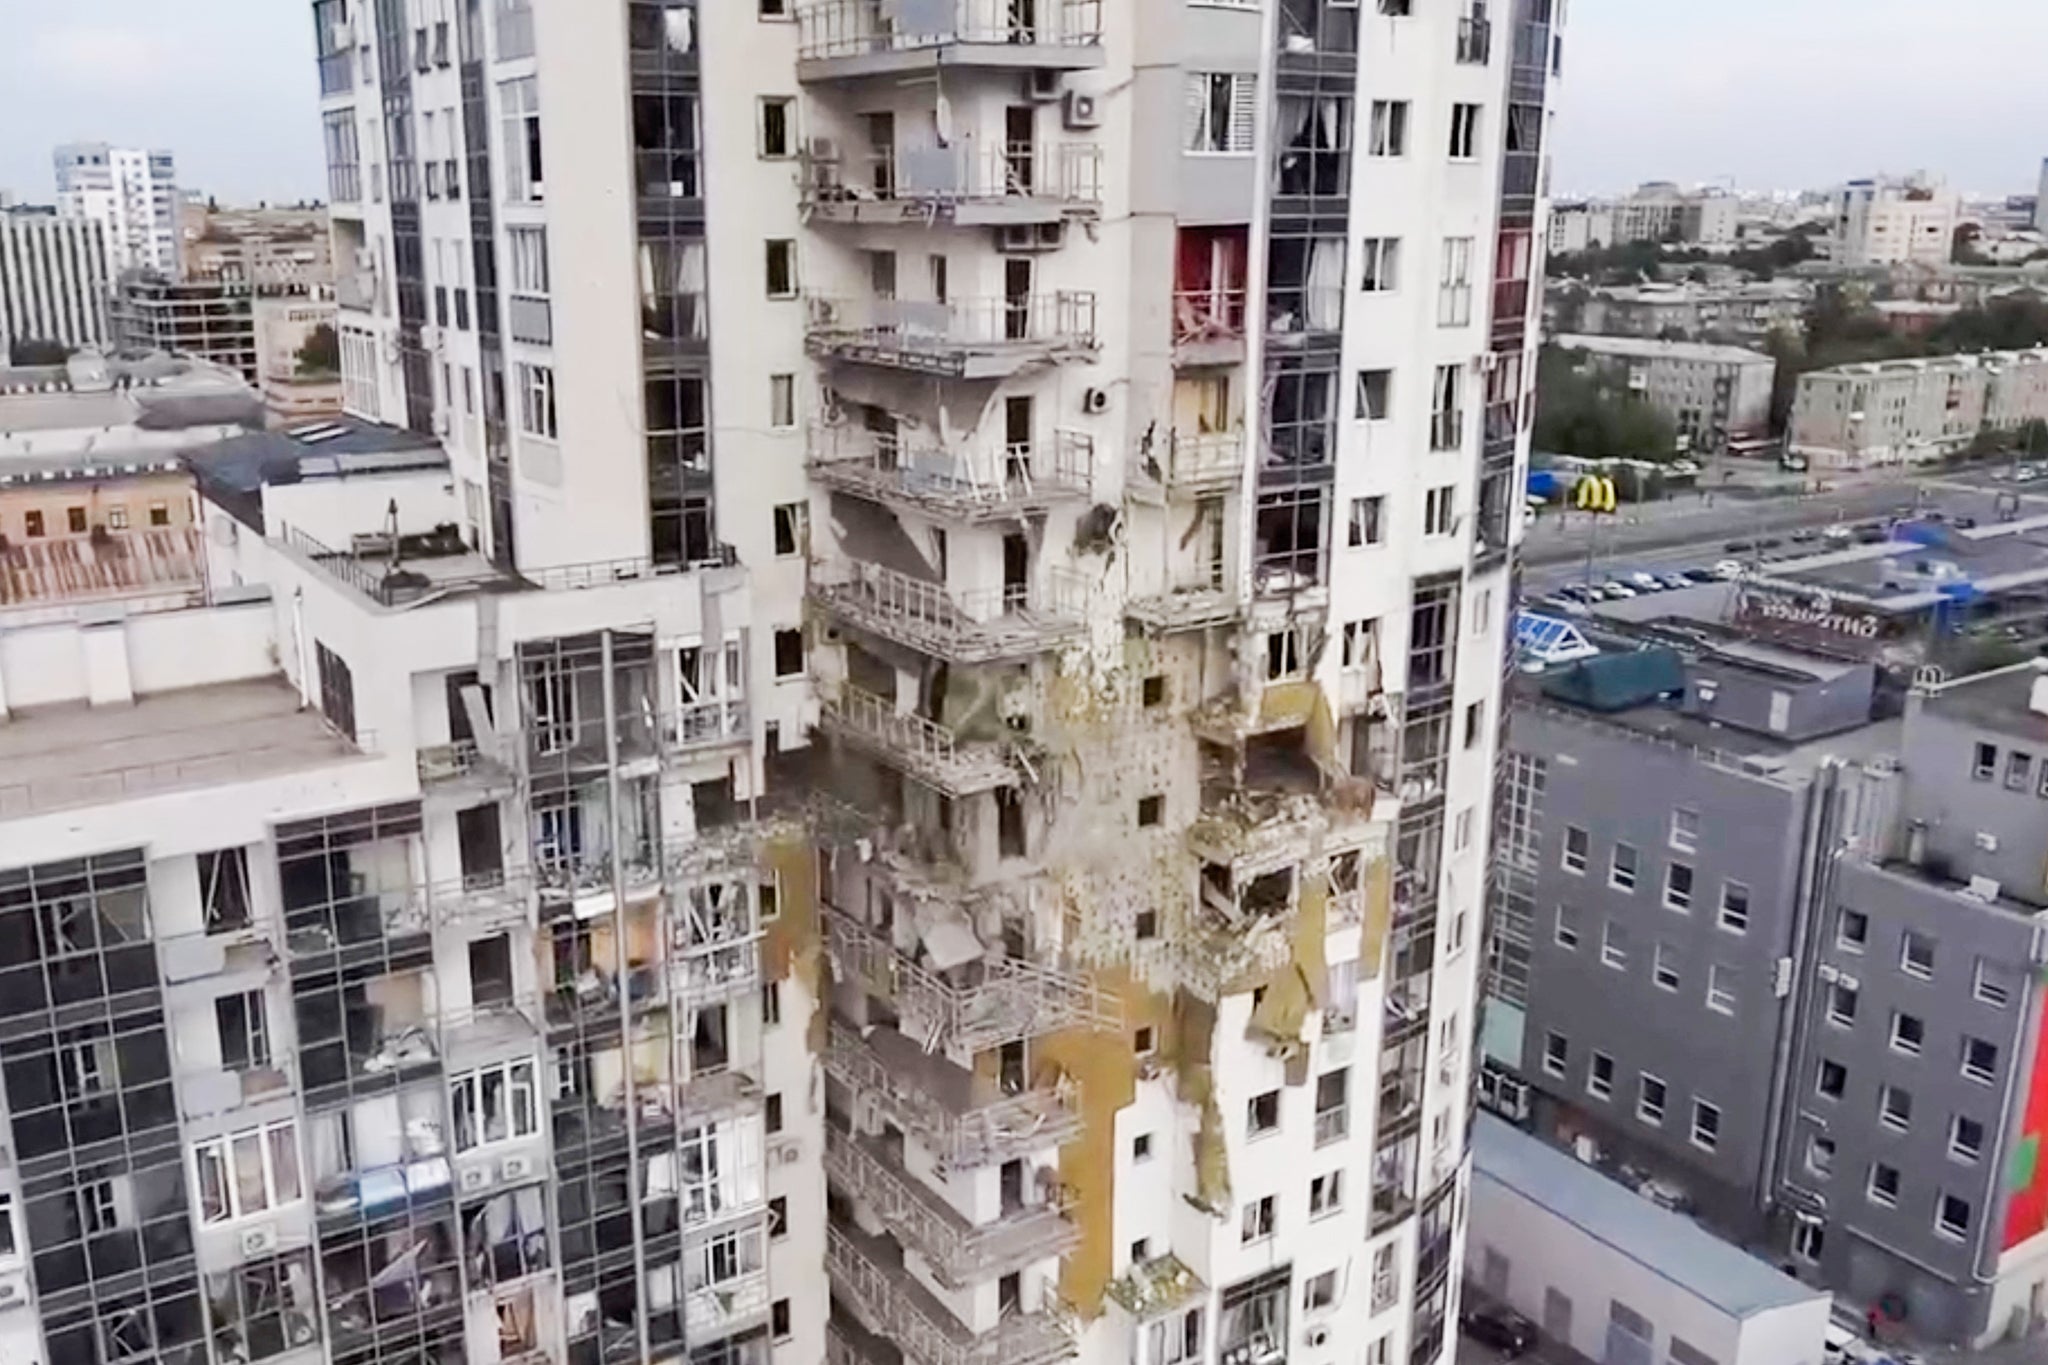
{"x":1672,"y":1247}
{"x":1648,"y":348}
{"x":59,"y":757}
{"x":1997,"y":701}
{"x":1906,"y":572}
{"x":1762,"y":756}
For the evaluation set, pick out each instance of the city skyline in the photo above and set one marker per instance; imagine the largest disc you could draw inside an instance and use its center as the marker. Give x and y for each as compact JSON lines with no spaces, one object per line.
{"x":135,"y":74}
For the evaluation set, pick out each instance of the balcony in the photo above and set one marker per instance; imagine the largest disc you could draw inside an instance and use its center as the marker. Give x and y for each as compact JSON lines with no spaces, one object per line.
{"x":1199,"y":461}
{"x":980,"y":1003}
{"x":853,"y":39}
{"x":961,"y":1253}
{"x":923,"y":748}
{"x":971,"y":186}
{"x":715,"y":941}
{"x":869,"y":1279}
{"x":1199,"y":605}
{"x":965,"y":627}
{"x":714,"y":723}
{"x":985,"y":338}
{"x":486,"y":902}
{"x":966,"y":485}
{"x":206,"y":1092}
{"x":359,"y":291}
{"x":1208,"y":327}
{"x":962,"y":1120}
{"x":464,"y":764}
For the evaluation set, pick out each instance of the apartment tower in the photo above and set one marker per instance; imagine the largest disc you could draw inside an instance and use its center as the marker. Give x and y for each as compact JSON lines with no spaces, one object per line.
{"x":874,"y":739}
{"x":130,"y":192}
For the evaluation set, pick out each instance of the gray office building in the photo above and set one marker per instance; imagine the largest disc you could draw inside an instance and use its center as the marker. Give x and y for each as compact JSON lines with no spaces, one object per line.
{"x":1774,"y":961}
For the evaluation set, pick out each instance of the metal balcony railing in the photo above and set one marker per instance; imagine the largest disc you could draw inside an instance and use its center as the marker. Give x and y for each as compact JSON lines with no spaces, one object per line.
{"x":482,"y":899}
{"x":924,"y":748}
{"x":890,"y":1303}
{"x":837,"y":29}
{"x":1067,"y":176}
{"x":968,"y":1137}
{"x":966,"y":627}
{"x":960,"y":1252}
{"x":968,"y":483}
{"x":983,"y":1004}
{"x":462,"y":759}
{"x":705,"y":724}
{"x":1208,"y":315}
{"x":945,"y":338}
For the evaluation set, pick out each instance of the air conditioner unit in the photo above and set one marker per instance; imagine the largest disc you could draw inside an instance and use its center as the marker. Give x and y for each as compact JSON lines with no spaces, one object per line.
{"x":1042,"y":86}
{"x":1082,"y":110}
{"x":1095,"y":401}
{"x":1987,"y":841}
{"x":258,"y":1241}
{"x":786,"y":1152}
{"x":1983,"y":888}
{"x":13,"y":1291}
{"x":516,"y":1167}
{"x":1316,"y":1337}
{"x":475,"y":1178}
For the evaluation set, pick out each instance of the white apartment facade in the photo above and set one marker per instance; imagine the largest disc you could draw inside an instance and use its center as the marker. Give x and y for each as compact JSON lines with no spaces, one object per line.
{"x":53,"y":280}
{"x":1908,"y":411}
{"x":131,"y":192}
{"x":952,"y":759}
{"x":1894,"y":222}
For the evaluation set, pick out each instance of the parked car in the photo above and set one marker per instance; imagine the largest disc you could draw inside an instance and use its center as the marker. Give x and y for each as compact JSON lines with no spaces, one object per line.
{"x":1739,"y":547}
{"x":1674,"y":580}
{"x":1699,"y":575}
{"x":1872,"y":535}
{"x":1838,"y":534}
{"x":1805,"y":535}
{"x":1581,"y":592}
{"x":1560,"y":606}
{"x":1615,"y":590}
{"x":1768,"y":543}
{"x":1728,"y":570}
{"x":1645,"y":582}
{"x":1502,"y":1329}
{"x":1963,"y":523}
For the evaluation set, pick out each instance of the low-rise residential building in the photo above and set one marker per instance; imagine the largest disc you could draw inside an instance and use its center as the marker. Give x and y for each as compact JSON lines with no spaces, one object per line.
{"x":1716,"y":395}
{"x":1798,"y":992}
{"x":1613,"y":1276}
{"x":1747,"y":312}
{"x":1891,"y":412}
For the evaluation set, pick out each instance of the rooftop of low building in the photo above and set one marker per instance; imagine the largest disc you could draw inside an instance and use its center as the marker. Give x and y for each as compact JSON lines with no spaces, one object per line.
{"x":148,"y":390}
{"x":1652,"y":348}
{"x":1670,"y":1246}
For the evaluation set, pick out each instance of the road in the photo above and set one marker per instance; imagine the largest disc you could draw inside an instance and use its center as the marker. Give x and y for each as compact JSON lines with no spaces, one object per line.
{"x":1562,"y":537}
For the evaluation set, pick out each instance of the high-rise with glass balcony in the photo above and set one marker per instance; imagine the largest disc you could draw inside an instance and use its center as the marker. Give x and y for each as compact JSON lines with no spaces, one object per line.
{"x":873,"y":741}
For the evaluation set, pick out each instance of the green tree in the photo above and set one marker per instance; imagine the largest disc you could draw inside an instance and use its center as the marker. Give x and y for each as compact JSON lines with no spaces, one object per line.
{"x":37,"y":351}
{"x":1581,"y":413}
{"x":321,"y":353}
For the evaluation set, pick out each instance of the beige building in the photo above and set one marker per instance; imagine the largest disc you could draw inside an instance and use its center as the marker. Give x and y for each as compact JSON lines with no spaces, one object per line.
{"x":1715,"y":394}
{"x":268,"y":248}
{"x":1903,"y":411}
{"x":1746,"y":312}
{"x":1889,"y":222}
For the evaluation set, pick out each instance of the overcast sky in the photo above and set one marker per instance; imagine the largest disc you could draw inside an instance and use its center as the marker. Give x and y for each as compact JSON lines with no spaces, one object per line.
{"x":1769,"y":93}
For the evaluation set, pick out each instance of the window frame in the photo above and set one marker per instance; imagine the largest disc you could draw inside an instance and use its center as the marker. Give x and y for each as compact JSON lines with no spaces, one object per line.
{"x":222,"y":1149}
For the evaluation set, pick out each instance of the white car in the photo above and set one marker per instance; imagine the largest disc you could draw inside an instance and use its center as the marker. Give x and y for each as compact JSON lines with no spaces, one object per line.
{"x":1728,"y":570}
{"x":1645,"y":582}
{"x":1615,"y":590}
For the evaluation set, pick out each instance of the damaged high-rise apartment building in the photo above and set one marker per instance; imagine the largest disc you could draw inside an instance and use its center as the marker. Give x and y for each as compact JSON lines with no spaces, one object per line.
{"x":872,"y":742}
